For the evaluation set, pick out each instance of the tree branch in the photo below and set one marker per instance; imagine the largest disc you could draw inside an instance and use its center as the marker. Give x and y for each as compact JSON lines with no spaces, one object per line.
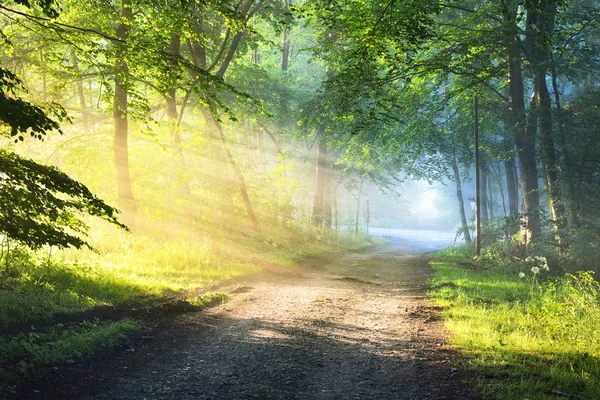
{"x":67,"y":26}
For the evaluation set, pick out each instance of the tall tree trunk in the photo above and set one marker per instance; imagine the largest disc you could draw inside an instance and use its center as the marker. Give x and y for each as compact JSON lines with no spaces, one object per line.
{"x":171,"y":98}
{"x":80,"y":91}
{"x":484,"y":194}
{"x":44,"y":81}
{"x":238,"y":175}
{"x":175,"y":117}
{"x":543,"y":22}
{"x":500,"y":183}
{"x":510,"y":170}
{"x":555,"y":202}
{"x":529,"y":175}
{"x":490,"y":198}
{"x":565,"y":159}
{"x":522,"y":133}
{"x":512,"y":182}
{"x":320,"y":177}
{"x":459,"y":196}
{"x":120,"y":105}
{"x":358,"y":207}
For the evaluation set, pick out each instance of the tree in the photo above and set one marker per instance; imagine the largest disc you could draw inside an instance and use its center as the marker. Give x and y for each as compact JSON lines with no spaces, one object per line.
{"x":40,"y":205}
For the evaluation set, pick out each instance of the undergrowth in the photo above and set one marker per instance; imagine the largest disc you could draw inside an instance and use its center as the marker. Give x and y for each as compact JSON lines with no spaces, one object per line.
{"x":24,"y":353}
{"x":528,"y":335}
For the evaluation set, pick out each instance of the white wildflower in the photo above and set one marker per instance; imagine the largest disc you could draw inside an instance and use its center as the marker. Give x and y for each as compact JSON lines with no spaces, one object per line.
{"x":535,"y":270}
{"x":521,"y":274}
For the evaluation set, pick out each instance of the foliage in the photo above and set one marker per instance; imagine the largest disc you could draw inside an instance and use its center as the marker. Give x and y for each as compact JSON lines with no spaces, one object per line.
{"x":40,"y":205}
{"x":523,"y":342}
{"x":22,"y":116}
{"x":25,"y":353}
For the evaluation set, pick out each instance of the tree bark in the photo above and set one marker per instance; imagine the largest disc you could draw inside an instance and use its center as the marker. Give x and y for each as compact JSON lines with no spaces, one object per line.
{"x":459,"y":196}
{"x":175,"y":118}
{"x":522,"y":133}
{"x":80,"y":91}
{"x":490,"y":198}
{"x":555,"y":202}
{"x":358,"y":208}
{"x":540,"y":21}
{"x":120,"y":106}
{"x":512,"y":182}
{"x":565,"y":159}
{"x":320,"y":177}
{"x":484,"y":194}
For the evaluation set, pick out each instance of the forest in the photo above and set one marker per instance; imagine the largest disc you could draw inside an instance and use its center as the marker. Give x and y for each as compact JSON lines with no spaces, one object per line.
{"x":154,"y":152}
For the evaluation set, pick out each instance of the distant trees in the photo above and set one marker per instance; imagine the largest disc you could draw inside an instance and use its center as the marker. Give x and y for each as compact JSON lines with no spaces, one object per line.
{"x":400,"y":69}
{"x":216,"y":83}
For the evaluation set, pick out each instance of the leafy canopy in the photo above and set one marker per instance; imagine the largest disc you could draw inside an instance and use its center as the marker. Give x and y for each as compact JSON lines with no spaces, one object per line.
{"x":40,"y":205}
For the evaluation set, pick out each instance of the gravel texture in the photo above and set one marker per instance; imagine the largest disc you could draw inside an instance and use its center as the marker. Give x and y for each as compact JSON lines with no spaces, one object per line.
{"x":358,"y":326}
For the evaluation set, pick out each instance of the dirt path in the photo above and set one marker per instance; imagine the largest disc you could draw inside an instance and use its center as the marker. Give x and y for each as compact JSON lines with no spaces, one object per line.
{"x":355,"y":328}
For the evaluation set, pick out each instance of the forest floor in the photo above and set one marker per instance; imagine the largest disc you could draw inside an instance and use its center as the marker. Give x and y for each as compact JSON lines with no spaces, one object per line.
{"x":355,"y":325}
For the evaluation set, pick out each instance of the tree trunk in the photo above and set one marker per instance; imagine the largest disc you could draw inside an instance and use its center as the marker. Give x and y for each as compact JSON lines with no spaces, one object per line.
{"x":512,"y":182}
{"x":44,"y":81}
{"x":80,"y":91}
{"x":358,"y":208}
{"x":459,"y":196}
{"x":490,"y":198}
{"x":484,"y":194}
{"x":541,"y":22}
{"x":522,"y":133}
{"x":175,"y":117}
{"x":320,"y":177}
{"x":565,"y":159}
{"x":555,"y":202}
{"x":500,"y":183}
{"x":171,"y":97}
{"x":510,"y":170}
{"x":121,"y":147}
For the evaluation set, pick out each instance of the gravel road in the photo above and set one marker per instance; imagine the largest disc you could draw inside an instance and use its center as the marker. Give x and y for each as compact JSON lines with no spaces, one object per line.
{"x":355,"y":327}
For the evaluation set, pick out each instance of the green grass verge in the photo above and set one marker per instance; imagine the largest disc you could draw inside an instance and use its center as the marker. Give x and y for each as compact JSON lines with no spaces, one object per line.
{"x":524,"y":339}
{"x":24,"y":353}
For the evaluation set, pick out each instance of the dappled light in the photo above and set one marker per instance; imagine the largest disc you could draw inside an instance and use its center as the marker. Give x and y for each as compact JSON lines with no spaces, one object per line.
{"x":299,"y":199}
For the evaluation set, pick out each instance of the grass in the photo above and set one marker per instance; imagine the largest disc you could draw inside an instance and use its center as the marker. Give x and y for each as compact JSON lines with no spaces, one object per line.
{"x":525,"y":339}
{"x":26,"y":352}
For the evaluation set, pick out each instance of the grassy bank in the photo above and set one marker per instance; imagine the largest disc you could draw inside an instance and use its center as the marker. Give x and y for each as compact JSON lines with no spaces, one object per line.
{"x":60,"y":307}
{"x":527,"y":336}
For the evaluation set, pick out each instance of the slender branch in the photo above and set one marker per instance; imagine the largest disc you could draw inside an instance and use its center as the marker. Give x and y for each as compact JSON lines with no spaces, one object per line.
{"x":273,"y":138}
{"x":50,"y":21}
{"x":183,"y":106}
{"x":247,"y":13}
{"x":192,"y":52}
{"x":221,"y":51}
{"x":469,"y":10}
{"x":382,"y":14}
{"x":150,"y":84}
